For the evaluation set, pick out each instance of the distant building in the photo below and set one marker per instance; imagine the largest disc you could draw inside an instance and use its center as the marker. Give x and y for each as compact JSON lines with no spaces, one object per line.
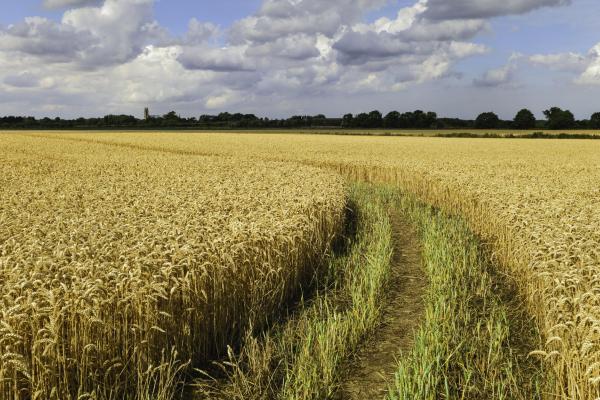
{"x":146,"y":113}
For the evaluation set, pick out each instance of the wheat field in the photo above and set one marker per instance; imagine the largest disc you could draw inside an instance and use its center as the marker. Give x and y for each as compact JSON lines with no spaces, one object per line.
{"x":537,"y":204}
{"x":121,"y":268}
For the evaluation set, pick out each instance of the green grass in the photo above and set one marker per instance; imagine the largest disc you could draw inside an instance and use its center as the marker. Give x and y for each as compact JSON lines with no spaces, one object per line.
{"x":473,"y":343}
{"x":302,"y":358}
{"x":476,"y":337}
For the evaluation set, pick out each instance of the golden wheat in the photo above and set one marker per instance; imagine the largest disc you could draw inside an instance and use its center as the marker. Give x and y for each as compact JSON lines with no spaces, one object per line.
{"x":536,"y":202}
{"x":120,"y":267}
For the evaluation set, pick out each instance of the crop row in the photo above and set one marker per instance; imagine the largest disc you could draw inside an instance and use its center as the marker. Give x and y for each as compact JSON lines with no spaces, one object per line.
{"x":120,"y":268}
{"x":536,"y":202}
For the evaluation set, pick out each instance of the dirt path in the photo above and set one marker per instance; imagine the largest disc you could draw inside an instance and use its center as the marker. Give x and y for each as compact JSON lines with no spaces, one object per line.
{"x":374,"y":366}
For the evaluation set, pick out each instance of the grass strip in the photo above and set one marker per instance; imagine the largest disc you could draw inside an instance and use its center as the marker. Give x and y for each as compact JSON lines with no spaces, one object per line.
{"x":475,"y":338}
{"x":473,"y":343}
{"x":301,"y":359}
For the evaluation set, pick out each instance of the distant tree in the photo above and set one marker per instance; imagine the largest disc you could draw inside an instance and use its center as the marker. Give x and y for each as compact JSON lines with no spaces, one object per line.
{"x":487,"y":120}
{"x":223,"y":117}
{"x":431,"y":119}
{"x":419,"y":119}
{"x":406,"y":120}
{"x":595,"y":121}
{"x":119,"y":120}
{"x":423,"y":120}
{"x":392,"y":120}
{"x":524,"y":120}
{"x":361,"y":120}
{"x":348,"y":121}
{"x":454,"y":123}
{"x":559,"y":119}
{"x":171,"y":116}
{"x":375,"y":119}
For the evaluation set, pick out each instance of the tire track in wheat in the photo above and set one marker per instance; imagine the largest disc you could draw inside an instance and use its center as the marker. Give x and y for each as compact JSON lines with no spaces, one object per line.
{"x":375,"y":364}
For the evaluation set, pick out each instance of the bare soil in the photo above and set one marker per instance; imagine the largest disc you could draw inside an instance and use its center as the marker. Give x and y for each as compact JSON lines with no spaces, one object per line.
{"x":372,"y":369}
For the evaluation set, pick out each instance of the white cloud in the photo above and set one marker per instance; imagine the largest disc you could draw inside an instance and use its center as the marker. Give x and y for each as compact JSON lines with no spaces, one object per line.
{"x":119,"y":54}
{"x":69,"y":3}
{"x":311,"y":46}
{"x":200,"y":32}
{"x":501,"y":76}
{"x":561,"y":61}
{"x":591,"y":75}
{"x":40,"y":37}
{"x":113,"y":56}
{"x":221,"y":100}
{"x":468,"y":9}
{"x":586,"y":67}
{"x":91,"y":37}
{"x":227,"y":59}
{"x":295,"y":47}
{"x":496,"y":77}
{"x":278,"y":18}
{"x":405,"y":18}
{"x":22,"y":80}
{"x":123,"y":28}
{"x":408,"y":50}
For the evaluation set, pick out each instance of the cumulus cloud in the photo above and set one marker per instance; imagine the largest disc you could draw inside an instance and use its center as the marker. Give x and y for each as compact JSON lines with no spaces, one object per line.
{"x":220,"y":100}
{"x":591,"y":75}
{"x":69,"y":3}
{"x":427,"y":30}
{"x":585,"y":67}
{"x":46,"y":39}
{"x":561,"y":61}
{"x":359,"y":48}
{"x":114,"y":33}
{"x":501,"y":76}
{"x":22,"y":80}
{"x":221,"y":60}
{"x":123,"y":28}
{"x":278,"y":18}
{"x":410,"y":48}
{"x":200,"y":32}
{"x":496,"y":77}
{"x":420,"y":38}
{"x":112,"y":55}
{"x":469,"y":9}
{"x":309,"y":47}
{"x":295,"y":47}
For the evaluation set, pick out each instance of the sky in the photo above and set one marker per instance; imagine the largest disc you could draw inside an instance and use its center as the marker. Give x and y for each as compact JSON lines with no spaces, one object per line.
{"x":277,"y":58}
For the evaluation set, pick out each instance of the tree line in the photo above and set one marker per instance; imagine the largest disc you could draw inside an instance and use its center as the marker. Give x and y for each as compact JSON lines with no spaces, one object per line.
{"x":556,"y":118}
{"x":171,"y":120}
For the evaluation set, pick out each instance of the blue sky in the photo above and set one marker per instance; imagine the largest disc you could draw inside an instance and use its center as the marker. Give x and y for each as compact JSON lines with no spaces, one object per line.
{"x":173,"y":14}
{"x":280,"y":57}
{"x":176,"y":13}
